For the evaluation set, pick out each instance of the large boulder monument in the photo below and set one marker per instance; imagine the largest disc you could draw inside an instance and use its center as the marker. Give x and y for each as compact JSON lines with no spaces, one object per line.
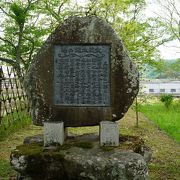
{"x":82,"y":75}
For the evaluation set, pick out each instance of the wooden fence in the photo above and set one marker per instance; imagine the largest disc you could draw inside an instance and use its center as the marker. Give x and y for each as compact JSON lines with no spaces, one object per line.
{"x":13,"y":99}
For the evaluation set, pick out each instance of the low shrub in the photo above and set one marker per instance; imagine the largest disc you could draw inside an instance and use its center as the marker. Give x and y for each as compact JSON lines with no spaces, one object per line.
{"x":167,"y":99}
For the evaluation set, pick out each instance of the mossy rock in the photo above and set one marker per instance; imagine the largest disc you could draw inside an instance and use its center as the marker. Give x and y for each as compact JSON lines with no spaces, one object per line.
{"x":77,"y":163}
{"x":81,"y":159}
{"x":28,"y":149}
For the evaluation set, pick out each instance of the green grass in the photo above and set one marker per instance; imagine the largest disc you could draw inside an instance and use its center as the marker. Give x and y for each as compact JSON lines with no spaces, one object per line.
{"x":11,"y":124}
{"x":6,"y":170}
{"x":167,"y":119}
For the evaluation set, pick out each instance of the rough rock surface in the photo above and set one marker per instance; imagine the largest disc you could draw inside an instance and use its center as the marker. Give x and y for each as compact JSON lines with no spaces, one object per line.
{"x":123,"y":75}
{"x":81,"y":160}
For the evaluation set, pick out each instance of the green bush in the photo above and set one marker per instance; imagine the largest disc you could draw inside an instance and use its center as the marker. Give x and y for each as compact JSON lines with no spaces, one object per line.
{"x":167,"y":99}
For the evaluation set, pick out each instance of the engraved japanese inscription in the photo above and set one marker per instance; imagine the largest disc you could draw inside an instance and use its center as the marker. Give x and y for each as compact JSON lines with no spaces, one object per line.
{"x":82,"y":75}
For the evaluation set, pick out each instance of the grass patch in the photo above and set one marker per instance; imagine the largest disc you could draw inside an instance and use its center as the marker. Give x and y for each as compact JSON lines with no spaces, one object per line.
{"x":6,"y":170}
{"x":170,"y":171}
{"x":9,"y":126}
{"x":84,"y":130}
{"x":167,"y":119}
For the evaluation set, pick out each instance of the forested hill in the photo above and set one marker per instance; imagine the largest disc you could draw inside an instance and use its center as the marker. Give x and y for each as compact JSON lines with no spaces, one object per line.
{"x":167,"y":69}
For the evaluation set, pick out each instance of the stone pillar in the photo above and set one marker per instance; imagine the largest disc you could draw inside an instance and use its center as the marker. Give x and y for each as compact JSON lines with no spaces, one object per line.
{"x":109,"y":133}
{"x":53,"y":133}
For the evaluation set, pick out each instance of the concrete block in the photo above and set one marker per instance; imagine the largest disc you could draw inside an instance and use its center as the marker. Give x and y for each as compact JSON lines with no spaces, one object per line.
{"x":53,"y":133}
{"x":109,"y":133}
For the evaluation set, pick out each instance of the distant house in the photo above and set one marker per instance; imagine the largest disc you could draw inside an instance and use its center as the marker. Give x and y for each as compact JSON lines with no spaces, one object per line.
{"x":159,"y":86}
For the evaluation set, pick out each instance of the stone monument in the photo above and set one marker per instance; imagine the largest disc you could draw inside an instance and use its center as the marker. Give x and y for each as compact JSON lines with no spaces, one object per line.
{"x":82,"y":76}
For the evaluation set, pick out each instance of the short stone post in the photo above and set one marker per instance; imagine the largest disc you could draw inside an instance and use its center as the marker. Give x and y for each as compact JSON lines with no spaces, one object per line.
{"x":53,"y":133}
{"x":109,"y":133}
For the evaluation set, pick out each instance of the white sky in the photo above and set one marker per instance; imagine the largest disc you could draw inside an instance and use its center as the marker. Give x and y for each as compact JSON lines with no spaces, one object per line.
{"x":170,"y":50}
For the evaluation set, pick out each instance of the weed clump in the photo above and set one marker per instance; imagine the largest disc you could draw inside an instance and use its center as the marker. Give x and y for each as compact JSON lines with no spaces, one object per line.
{"x":167,"y":99}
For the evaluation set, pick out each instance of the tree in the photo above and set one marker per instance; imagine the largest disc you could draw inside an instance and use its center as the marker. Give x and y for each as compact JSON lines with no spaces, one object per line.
{"x":55,"y":12}
{"x":166,"y":70}
{"x":20,"y":33}
{"x":26,"y":25}
{"x":170,"y":17}
{"x":139,"y":34}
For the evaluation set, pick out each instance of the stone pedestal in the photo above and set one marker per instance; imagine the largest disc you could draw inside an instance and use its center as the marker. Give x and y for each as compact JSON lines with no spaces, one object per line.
{"x":81,"y":158}
{"x":109,"y":133}
{"x":53,"y":133}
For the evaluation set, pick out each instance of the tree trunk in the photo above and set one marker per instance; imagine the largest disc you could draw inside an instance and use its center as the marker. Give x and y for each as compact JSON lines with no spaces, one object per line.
{"x":137,"y":114}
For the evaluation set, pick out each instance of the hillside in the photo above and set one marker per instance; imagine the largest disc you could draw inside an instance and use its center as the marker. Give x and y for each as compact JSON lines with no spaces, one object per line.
{"x":167,"y":69}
